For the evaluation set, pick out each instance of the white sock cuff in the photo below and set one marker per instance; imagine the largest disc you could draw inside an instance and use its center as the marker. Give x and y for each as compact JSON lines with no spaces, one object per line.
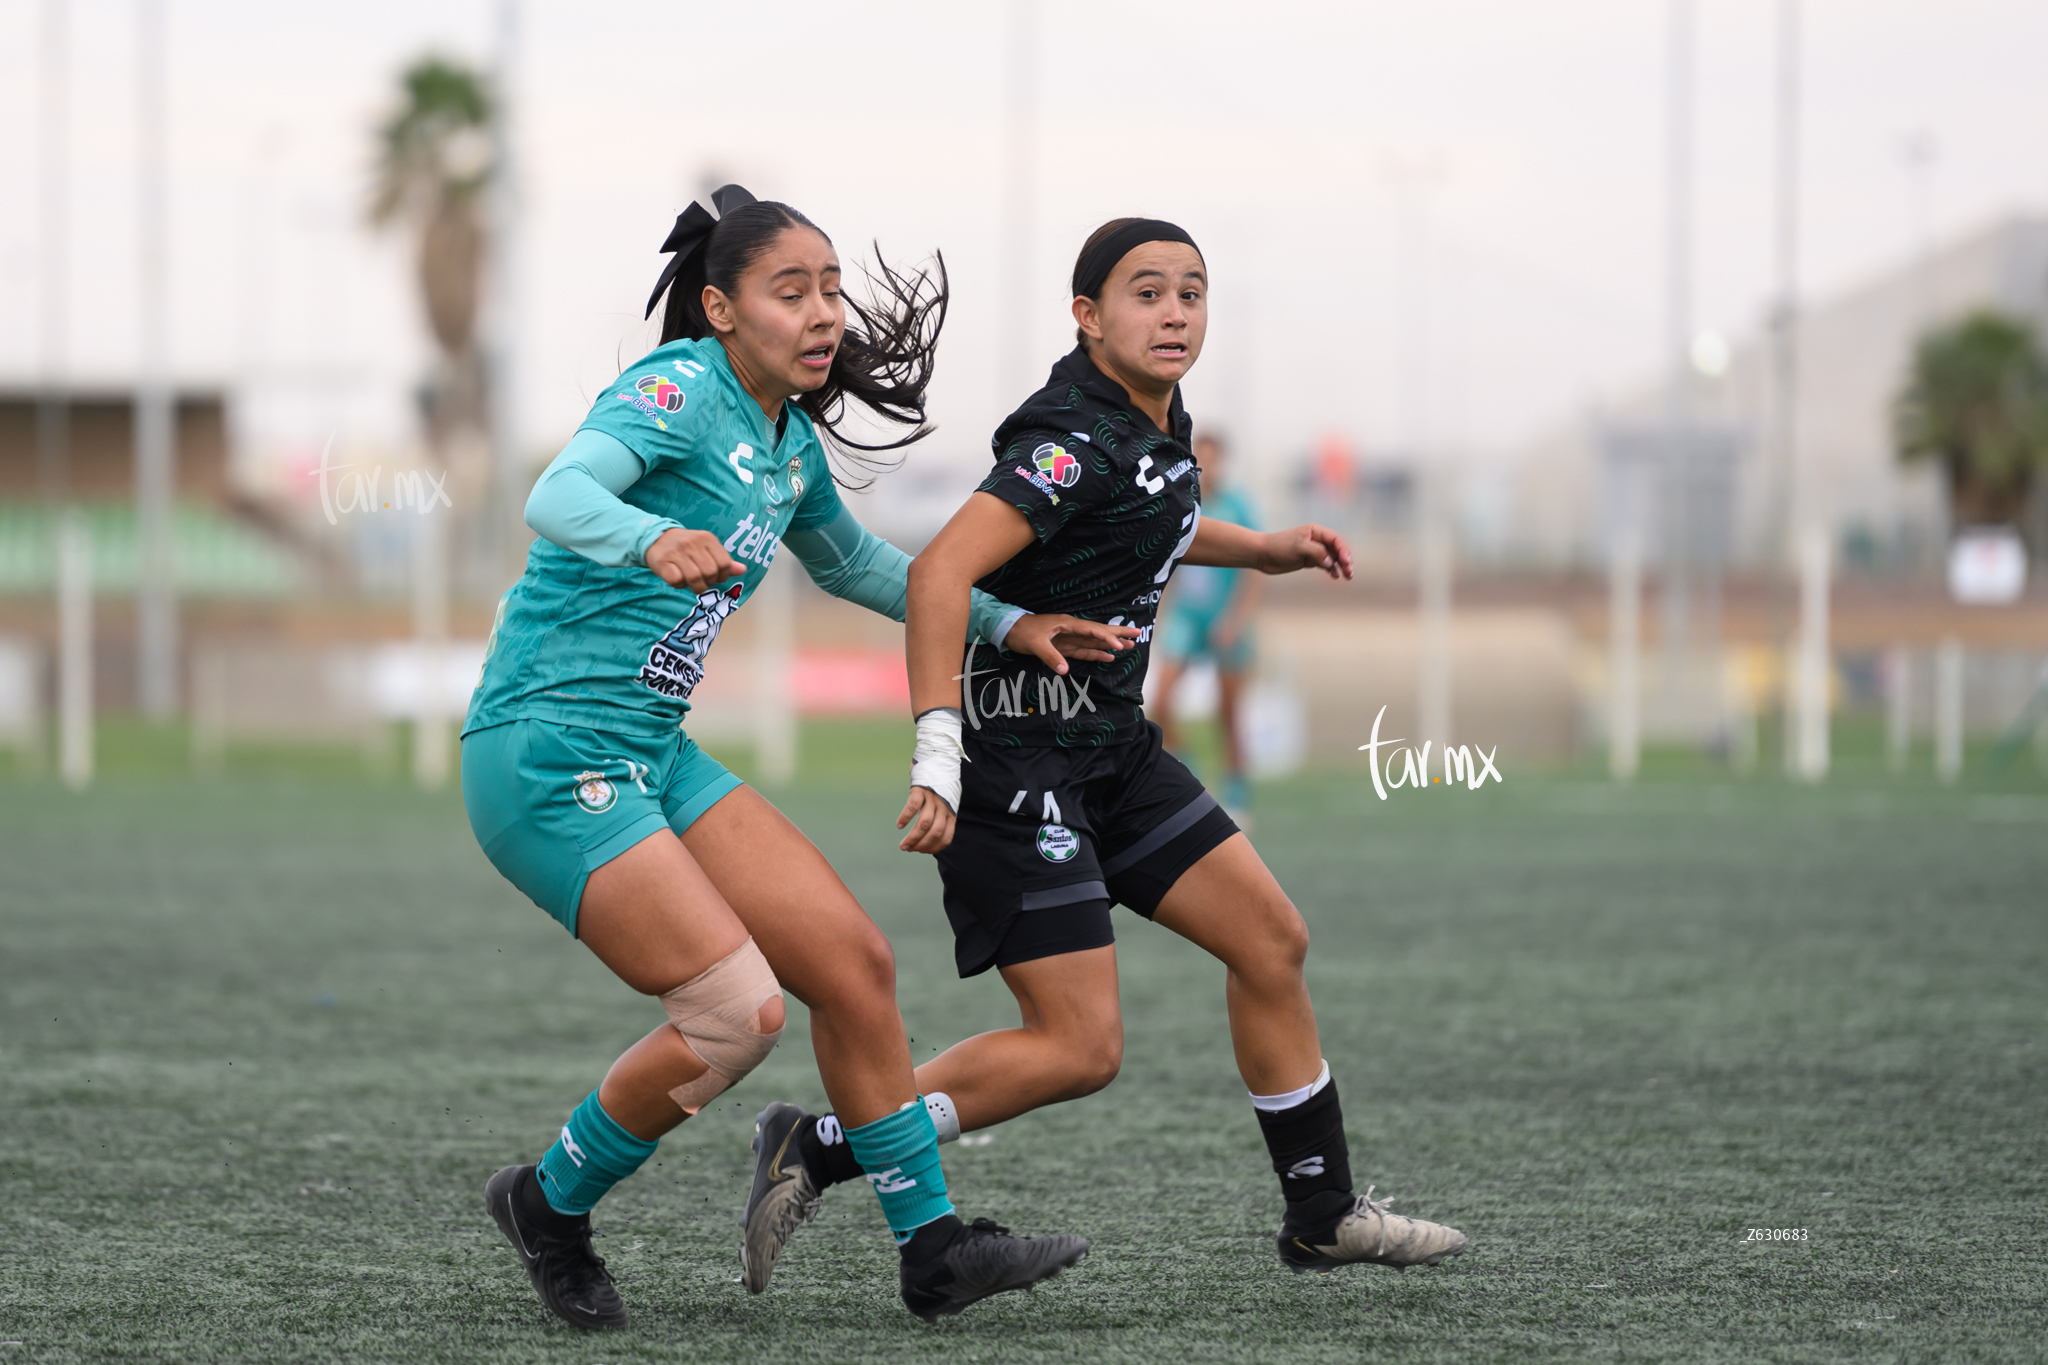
{"x":945,"y":1117}
{"x":1275,"y":1103}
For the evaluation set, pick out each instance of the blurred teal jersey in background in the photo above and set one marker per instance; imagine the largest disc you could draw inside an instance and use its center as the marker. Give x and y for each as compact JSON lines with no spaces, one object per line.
{"x":1200,"y":591}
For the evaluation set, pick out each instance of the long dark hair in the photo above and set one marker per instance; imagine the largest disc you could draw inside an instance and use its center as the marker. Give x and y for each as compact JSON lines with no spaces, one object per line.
{"x":884,"y":363}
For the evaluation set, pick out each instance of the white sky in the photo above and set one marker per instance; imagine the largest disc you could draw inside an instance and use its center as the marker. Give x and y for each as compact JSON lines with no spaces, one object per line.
{"x":1284,"y":136}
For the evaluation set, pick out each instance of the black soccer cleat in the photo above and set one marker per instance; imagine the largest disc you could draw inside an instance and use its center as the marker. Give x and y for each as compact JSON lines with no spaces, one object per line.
{"x":1362,"y":1231}
{"x":984,"y":1260}
{"x":569,"y":1277}
{"x":786,"y":1194}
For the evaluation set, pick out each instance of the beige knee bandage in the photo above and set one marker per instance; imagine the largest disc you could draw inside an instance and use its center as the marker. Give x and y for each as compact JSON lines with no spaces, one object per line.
{"x":718,"y":1015}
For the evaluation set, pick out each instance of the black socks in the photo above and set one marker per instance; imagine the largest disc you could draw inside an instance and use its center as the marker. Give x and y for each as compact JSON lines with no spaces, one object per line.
{"x":822,"y":1144}
{"x":1310,"y":1155}
{"x":929,"y":1242}
{"x":535,"y":1209}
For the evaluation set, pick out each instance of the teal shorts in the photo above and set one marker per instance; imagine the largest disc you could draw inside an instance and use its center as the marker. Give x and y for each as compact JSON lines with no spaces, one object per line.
{"x":1186,"y":636}
{"x":552,"y":803}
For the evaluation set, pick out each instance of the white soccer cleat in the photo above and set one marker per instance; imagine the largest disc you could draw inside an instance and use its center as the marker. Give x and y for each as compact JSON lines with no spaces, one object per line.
{"x":1369,"y":1234}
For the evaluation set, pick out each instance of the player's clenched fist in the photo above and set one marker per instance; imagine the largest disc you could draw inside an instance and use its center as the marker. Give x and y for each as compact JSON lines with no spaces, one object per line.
{"x":691,"y":559}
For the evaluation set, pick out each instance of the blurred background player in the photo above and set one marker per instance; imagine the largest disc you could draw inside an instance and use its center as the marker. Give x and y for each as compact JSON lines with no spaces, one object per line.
{"x":1206,"y":616}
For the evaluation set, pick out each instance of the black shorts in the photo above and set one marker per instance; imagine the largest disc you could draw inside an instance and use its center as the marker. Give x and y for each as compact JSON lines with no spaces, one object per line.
{"x":1048,"y":839}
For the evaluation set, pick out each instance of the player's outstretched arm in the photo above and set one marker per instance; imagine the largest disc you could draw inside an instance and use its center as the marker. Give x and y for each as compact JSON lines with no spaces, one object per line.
{"x":851,"y":562}
{"x":1226,"y":545}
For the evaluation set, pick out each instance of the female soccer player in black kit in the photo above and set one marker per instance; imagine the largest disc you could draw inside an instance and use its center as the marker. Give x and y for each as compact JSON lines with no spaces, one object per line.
{"x":1069,"y":803}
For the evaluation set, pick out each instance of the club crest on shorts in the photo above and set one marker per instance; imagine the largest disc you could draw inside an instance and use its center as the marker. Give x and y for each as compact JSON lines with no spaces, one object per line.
{"x":1057,"y":843}
{"x":595,"y":792}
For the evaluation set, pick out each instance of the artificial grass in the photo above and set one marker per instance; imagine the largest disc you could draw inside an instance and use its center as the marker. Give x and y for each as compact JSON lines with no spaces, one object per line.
{"x":263,"y":1038}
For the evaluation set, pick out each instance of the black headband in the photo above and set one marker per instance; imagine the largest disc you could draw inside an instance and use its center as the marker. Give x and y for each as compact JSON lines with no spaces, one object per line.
{"x":691,"y":232}
{"x":1093,"y":270}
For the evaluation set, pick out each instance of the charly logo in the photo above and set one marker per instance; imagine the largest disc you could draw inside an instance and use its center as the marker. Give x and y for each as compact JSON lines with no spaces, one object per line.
{"x":1460,"y":764}
{"x":1056,"y":464}
{"x":1057,"y":843}
{"x":595,"y":792}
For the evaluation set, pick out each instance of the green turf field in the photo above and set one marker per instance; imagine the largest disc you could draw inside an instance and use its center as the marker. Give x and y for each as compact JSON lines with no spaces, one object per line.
{"x":262,"y":1039}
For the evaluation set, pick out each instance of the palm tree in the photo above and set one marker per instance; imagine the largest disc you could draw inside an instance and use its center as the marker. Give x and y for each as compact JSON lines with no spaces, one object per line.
{"x":1976,"y":400}
{"x":433,"y":165}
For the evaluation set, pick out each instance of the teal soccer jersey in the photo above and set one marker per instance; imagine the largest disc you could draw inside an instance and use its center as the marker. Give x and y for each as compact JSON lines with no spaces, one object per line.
{"x":1202,"y":591}
{"x":617,"y":649}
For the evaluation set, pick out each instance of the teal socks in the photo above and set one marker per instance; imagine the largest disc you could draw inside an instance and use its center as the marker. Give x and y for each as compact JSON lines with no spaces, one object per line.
{"x":900,"y":1154}
{"x":592,"y":1155}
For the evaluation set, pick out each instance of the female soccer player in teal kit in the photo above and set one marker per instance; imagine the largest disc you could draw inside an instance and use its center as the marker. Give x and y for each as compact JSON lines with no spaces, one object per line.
{"x":658,"y":521}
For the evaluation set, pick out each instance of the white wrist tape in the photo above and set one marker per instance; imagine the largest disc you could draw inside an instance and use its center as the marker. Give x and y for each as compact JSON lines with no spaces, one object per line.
{"x":935,"y":762}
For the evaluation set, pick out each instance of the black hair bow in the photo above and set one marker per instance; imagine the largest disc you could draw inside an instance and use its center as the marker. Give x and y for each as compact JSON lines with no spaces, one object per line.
{"x":692,"y":230}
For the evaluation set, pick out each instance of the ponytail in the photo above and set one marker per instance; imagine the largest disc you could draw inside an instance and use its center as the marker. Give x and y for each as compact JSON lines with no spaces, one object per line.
{"x":885,"y":358}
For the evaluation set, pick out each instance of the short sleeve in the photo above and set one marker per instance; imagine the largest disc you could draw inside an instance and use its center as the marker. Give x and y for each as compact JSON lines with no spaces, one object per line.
{"x":659,"y":409}
{"x":1049,"y":476}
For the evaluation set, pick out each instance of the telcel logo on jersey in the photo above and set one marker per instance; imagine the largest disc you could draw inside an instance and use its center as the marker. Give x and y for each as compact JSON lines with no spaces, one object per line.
{"x":1056,"y":464}
{"x":1056,"y":843}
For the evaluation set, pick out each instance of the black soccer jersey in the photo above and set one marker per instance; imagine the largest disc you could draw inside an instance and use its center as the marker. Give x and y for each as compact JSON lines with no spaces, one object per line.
{"x":1114,"y":503}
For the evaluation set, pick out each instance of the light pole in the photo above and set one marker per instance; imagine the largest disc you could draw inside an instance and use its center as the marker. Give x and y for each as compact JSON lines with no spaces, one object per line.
{"x":69,"y":539}
{"x":1020,"y":192}
{"x":1412,"y":177}
{"x":156,"y":450}
{"x":1678,"y":327}
{"x":1803,"y":540}
{"x":53,"y":412}
{"x":502,"y":541}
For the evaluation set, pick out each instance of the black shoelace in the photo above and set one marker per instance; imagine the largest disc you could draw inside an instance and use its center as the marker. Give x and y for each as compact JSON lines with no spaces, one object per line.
{"x":580,"y":1267}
